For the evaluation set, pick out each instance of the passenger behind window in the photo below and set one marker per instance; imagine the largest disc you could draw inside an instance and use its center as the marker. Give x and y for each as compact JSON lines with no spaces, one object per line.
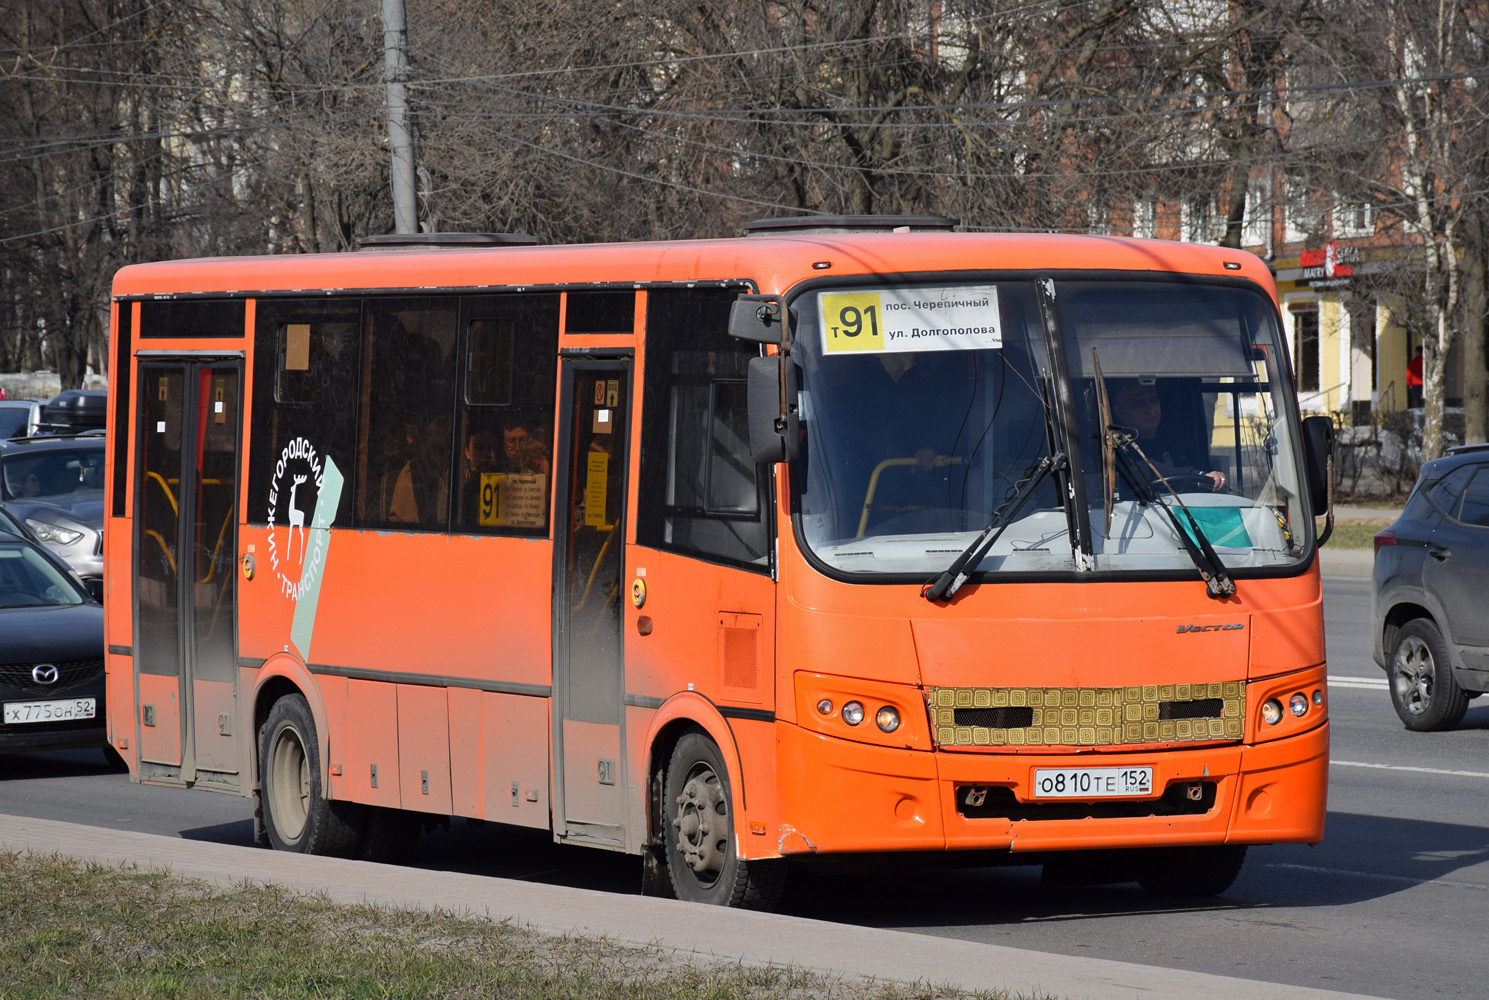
{"x":522,"y":449}
{"x":480,"y":454}
{"x":420,"y":494}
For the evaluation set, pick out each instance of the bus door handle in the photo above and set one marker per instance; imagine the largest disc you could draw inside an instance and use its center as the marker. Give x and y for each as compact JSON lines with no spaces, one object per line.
{"x":1439,"y":552}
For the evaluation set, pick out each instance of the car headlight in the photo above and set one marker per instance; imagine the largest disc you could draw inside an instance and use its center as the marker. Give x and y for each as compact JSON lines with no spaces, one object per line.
{"x":49,"y":532}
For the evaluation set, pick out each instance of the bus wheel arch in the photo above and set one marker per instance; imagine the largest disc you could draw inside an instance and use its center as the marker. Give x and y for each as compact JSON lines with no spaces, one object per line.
{"x":678,"y":715}
{"x":698,"y":815}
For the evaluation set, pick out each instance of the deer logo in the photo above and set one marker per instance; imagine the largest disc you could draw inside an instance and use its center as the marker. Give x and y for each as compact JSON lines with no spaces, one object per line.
{"x":297,"y":519}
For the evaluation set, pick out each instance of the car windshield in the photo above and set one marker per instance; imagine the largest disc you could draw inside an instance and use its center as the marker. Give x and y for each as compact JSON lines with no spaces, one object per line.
{"x":25,"y":474}
{"x":930,"y":411}
{"x":29,"y":580}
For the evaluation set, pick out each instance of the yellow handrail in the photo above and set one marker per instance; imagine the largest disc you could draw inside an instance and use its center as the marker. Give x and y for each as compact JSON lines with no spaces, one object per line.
{"x":165,"y":486}
{"x":940,"y":462}
{"x":594,"y":570}
{"x":163,"y":547}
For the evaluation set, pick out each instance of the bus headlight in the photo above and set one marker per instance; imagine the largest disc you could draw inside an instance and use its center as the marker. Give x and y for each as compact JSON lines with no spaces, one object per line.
{"x":853,"y":713}
{"x":1298,"y":705}
{"x":1271,"y":711}
{"x":824,"y":707}
{"x":887,"y":719}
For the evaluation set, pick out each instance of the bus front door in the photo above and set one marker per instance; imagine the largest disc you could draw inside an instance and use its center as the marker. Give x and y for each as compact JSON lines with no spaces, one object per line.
{"x":186,"y":502}
{"x":588,"y":713}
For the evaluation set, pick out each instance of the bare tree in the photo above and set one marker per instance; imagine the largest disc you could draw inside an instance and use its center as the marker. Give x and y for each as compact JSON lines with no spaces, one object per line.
{"x":1401,"y":125}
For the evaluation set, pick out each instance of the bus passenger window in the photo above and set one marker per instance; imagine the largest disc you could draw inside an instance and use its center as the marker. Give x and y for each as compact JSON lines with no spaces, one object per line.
{"x":505,"y":413}
{"x":305,"y":401}
{"x":411,"y":382}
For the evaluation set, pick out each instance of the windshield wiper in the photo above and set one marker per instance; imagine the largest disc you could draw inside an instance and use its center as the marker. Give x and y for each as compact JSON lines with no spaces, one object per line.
{"x":1218,"y":583}
{"x":945,"y":586}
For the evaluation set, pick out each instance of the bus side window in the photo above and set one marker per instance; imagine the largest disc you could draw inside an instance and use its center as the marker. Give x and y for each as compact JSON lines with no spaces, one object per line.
{"x":411,"y":402}
{"x":700,"y":491}
{"x":306,"y":362}
{"x":505,"y":413}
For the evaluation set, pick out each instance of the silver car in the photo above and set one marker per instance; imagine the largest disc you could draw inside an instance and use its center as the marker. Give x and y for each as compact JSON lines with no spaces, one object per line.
{"x":54,"y":485}
{"x":1431,"y":576}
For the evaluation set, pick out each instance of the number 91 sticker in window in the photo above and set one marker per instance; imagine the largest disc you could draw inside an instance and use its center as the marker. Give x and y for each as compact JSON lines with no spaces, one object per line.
{"x":960,"y":318}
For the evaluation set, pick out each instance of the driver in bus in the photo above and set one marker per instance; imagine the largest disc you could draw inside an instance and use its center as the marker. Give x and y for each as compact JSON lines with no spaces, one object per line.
{"x":1136,"y":405}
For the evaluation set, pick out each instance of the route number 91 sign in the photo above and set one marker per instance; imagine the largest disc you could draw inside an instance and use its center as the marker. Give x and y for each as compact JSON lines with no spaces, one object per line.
{"x":960,"y":318}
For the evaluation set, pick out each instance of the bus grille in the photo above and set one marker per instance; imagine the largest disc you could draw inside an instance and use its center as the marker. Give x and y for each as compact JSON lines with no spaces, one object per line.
{"x":965,"y":717}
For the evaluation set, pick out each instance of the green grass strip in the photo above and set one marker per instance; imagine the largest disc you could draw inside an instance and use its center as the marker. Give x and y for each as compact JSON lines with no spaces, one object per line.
{"x":86,"y":930}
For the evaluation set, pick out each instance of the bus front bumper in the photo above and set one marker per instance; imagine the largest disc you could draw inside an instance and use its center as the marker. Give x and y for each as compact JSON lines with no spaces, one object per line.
{"x":863,"y":798}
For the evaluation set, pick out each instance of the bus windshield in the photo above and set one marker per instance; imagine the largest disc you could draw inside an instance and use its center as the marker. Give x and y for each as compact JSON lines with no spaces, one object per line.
{"x":929,"y":413}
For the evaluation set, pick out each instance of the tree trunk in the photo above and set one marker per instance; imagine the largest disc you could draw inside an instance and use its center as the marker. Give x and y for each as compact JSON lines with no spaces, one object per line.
{"x":1475,"y":314}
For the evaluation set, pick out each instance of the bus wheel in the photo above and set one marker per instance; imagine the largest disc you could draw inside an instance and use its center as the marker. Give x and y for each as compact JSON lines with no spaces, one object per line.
{"x":388,"y":835}
{"x":701,"y":857}
{"x":297,"y":815}
{"x":1424,"y":692}
{"x":1192,"y":871}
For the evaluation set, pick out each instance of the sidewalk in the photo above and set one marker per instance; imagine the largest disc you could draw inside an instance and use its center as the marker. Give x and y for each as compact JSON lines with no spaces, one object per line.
{"x":703,"y":931}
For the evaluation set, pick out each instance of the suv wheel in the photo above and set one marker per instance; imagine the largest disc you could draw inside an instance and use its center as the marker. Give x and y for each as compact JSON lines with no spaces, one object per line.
{"x":1423,"y":690}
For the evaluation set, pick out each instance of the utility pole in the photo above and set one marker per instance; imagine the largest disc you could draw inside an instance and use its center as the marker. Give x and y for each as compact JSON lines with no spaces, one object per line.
{"x":400,"y":134}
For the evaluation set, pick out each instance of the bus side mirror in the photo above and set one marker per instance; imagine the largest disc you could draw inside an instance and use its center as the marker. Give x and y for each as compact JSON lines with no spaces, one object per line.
{"x":774,"y":437}
{"x":1318,"y":449}
{"x":756,"y":318}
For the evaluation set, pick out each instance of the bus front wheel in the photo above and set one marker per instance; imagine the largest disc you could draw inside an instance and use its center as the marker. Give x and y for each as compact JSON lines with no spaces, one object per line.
{"x":1192,"y":871}
{"x":297,"y":815}
{"x":699,"y":828}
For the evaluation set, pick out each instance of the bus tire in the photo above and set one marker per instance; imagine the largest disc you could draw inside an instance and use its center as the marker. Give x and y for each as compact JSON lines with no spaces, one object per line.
{"x":1192,"y":871}
{"x":698,"y":822}
{"x":297,"y":815}
{"x":1424,"y":692}
{"x":388,"y":835}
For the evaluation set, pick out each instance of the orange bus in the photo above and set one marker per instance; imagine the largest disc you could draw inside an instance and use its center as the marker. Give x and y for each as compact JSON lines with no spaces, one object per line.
{"x":852,"y":538}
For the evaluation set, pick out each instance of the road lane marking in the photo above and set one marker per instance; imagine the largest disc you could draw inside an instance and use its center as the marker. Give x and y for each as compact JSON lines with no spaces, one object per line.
{"x":1369,"y":683}
{"x":1405,"y":767}
{"x":1380,"y":876}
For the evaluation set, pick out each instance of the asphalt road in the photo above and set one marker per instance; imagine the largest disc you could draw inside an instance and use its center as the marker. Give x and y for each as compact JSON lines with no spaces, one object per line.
{"x":1392,"y":904}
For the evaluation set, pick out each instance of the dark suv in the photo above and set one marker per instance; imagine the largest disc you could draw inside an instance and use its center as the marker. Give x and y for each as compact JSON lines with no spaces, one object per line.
{"x":1428,"y":611}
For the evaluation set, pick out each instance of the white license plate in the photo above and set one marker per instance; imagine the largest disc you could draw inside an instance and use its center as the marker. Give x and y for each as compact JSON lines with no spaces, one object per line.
{"x":18,"y":712}
{"x":1092,"y":782}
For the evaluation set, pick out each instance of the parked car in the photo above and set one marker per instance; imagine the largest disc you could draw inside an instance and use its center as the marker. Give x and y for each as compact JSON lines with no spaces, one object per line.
{"x":51,"y":653}
{"x":72,"y":411}
{"x":1431,"y":578}
{"x":54,"y":485}
{"x":19,"y":417}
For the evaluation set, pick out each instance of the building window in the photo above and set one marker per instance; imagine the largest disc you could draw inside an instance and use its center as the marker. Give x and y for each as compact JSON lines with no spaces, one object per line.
{"x":1305,"y":349}
{"x":1198,"y":219}
{"x":1257,"y":230}
{"x":1098,"y":219}
{"x":1354,"y":220}
{"x":1144,"y":219}
{"x":1305,"y":217}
